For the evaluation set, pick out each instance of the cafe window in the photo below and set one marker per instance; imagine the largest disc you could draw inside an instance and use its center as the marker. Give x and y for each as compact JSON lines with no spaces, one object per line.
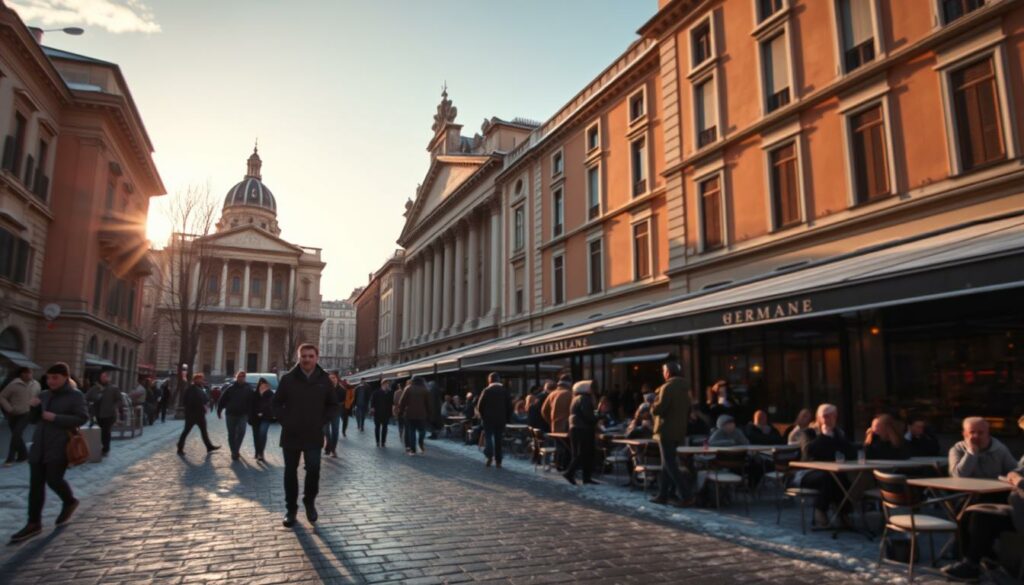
{"x":785,"y":191}
{"x":711,"y":216}
{"x":979,"y":126}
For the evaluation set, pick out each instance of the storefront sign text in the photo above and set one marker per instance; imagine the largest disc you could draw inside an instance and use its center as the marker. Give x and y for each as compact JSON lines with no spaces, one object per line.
{"x":557,"y":346}
{"x":768,"y":312}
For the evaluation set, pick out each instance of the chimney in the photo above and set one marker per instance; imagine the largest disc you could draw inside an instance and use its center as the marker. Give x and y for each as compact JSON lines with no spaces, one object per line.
{"x":37,"y":33}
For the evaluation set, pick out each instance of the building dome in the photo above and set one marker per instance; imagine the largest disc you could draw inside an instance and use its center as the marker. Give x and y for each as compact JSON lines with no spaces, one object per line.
{"x":251,"y":191}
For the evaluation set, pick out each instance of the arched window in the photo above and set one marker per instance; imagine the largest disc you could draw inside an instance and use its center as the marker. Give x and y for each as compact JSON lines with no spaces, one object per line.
{"x":236,"y":285}
{"x":11,"y":340}
{"x":519,"y":188}
{"x":106,"y":350}
{"x":94,"y":346}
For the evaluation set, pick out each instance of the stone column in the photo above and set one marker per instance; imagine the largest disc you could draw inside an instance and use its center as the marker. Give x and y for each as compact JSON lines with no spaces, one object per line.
{"x":447,"y":284}
{"x":241,"y":349}
{"x":439,"y":292}
{"x":218,"y":353}
{"x":195,"y":283}
{"x":496,"y":266}
{"x":224,"y":285}
{"x":291,"y":288}
{"x":473,"y":306}
{"x":265,"y":354}
{"x":459,"y":311}
{"x":428,"y":293}
{"x":417,"y":302}
{"x":270,"y":286}
{"x":245,"y":285}
{"x":406,"y":292}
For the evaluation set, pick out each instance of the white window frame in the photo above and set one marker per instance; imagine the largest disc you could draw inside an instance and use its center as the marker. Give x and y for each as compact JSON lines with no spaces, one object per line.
{"x":851,"y":105}
{"x":761,"y":25}
{"x":712,"y":78}
{"x":768,"y":34}
{"x":596,"y":124}
{"x":555,"y":205}
{"x":642,"y":92}
{"x":987,"y":44}
{"x":643,"y":217}
{"x":791,"y":133}
{"x":555,"y":174}
{"x":940,"y":22}
{"x":837,"y":23}
{"x":698,"y":68}
{"x":632,"y":168}
{"x":713,"y":169}
{"x":558,"y":253}
{"x":596,"y":236}
{"x":600,"y":193}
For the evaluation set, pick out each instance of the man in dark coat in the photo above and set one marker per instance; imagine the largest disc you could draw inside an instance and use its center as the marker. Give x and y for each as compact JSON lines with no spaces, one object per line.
{"x":382,"y":402}
{"x":414,"y":407}
{"x":105,"y":398}
{"x":671,"y":411}
{"x":494,"y":408}
{"x":55,"y":411}
{"x":194,"y":402}
{"x":304,"y":403}
{"x":237,"y":399}
{"x":363,"y":392}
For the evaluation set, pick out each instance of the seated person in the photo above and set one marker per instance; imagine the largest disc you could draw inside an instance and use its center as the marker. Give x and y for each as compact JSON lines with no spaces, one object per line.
{"x":519,"y":412}
{"x":823,"y":445}
{"x":642,"y":425}
{"x":803,"y":424}
{"x":448,"y":407}
{"x":981,"y":456}
{"x":883,"y":440}
{"x":760,"y":432}
{"x":726,"y":434}
{"x":697,"y":426}
{"x":919,"y":441}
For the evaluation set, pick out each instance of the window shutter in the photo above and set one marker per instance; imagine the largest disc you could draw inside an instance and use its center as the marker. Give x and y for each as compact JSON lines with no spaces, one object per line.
{"x":857,"y":27}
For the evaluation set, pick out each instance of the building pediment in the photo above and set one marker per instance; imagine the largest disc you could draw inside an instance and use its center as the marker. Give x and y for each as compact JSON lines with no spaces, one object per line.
{"x":445,"y":175}
{"x":253,"y":239}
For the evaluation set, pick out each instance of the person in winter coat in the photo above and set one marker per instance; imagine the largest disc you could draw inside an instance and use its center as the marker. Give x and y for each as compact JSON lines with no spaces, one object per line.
{"x":726,"y":434}
{"x":760,"y":432}
{"x":883,"y":440}
{"x":921,"y":443}
{"x":151,"y":401}
{"x":582,"y":427}
{"x":261,"y":415}
{"x":105,"y":399}
{"x":194,"y":401}
{"x":304,"y":403}
{"x":671,"y":412}
{"x":347,"y":405}
{"x":334,"y":424}
{"x":237,"y":399}
{"x":15,"y":401}
{"x":363,"y":391}
{"x":415,"y":407}
{"x":823,"y":445}
{"x":494,"y":408}
{"x":55,"y":411}
{"x":534,"y":403}
{"x":396,"y":400}
{"x":555,"y":412}
{"x":382,"y":402}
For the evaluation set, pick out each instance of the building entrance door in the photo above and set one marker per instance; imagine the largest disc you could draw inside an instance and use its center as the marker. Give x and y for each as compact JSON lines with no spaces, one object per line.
{"x":251,"y":360}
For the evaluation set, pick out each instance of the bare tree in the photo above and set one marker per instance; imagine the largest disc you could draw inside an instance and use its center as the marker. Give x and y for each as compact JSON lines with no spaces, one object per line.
{"x":187,"y":266}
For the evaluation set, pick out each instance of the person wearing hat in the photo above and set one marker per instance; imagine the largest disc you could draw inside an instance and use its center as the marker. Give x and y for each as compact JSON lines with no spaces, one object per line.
{"x":104,"y":398}
{"x":555,"y":411}
{"x":726,"y":434}
{"x":582,"y":426}
{"x":55,"y":411}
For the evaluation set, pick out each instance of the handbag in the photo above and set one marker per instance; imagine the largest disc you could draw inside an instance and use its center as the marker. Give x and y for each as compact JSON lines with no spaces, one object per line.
{"x":76,"y":451}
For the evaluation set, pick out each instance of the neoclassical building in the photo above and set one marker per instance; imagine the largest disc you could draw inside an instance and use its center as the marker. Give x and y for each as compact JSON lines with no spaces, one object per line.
{"x":259,"y":294}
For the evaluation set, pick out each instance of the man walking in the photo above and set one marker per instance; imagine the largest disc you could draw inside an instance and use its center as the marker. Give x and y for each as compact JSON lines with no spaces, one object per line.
{"x":105,"y":399}
{"x":671,"y":410}
{"x":56,"y":411}
{"x":194,"y":402}
{"x":555,"y":412}
{"x":237,"y":399}
{"x":332,"y":426}
{"x":415,"y":408}
{"x":15,"y":400}
{"x":381,"y":405}
{"x":151,"y":401}
{"x":396,"y":410}
{"x":494,"y":408}
{"x":363,"y":392}
{"x":304,"y":402}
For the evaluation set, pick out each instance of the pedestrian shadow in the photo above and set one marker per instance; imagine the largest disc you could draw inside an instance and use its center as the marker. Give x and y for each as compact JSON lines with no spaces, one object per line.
{"x":331,"y":563}
{"x":26,"y":552}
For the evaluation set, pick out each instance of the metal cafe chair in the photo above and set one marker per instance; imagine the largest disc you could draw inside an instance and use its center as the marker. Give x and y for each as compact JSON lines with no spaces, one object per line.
{"x":541,"y":450}
{"x":783,"y":473}
{"x":729,"y":468}
{"x":648,"y":464}
{"x":897,"y":495}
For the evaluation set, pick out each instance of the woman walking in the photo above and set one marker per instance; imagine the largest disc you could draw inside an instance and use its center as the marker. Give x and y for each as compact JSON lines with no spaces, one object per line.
{"x":262,"y":415}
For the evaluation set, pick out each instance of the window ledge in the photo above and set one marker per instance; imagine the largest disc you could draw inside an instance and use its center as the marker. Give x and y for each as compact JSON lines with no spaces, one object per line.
{"x":767,"y":26}
{"x":702,"y":68}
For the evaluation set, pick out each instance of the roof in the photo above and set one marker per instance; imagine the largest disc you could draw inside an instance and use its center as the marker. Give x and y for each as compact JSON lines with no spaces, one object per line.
{"x":250,"y":191}
{"x":62,"y":54}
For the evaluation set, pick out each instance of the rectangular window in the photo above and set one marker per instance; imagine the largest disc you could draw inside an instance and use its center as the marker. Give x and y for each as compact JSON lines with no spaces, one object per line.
{"x":519,"y":301}
{"x":212,"y":285}
{"x":701,"y":38}
{"x":557,"y":212}
{"x":711,"y":213}
{"x":256,"y":286}
{"x":20,"y":129}
{"x":593,"y":192}
{"x":518,"y":240}
{"x":236,"y":285}
{"x":707,"y":126}
{"x":766,"y":8}
{"x":596,"y":267}
{"x":776,"y":73}
{"x":557,"y":164}
{"x":642,"y":250}
{"x":14,"y":253}
{"x":858,"y":34}
{"x":977,"y":115}
{"x":637,"y":107}
{"x":870,"y":162}
{"x":785,"y":194}
{"x":559,"y":276}
{"x":593,"y":137}
{"x":278,"y":289}
{"x":954,"y":9}
{"x":638,"y":150}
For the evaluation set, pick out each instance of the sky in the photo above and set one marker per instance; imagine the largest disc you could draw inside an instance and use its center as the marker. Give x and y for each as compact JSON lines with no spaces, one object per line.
{"x":341,"y":94}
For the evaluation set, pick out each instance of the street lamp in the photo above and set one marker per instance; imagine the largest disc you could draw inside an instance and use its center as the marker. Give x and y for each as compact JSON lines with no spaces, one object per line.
{"x":68,"y":30}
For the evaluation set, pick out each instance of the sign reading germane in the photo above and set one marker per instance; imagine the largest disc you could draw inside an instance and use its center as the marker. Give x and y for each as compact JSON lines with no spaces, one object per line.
{"x":562,"y":345}
{"x":767,"y":312}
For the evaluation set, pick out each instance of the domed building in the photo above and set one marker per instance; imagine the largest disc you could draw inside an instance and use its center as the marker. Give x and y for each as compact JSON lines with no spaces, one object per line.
{"x":259,"y":295}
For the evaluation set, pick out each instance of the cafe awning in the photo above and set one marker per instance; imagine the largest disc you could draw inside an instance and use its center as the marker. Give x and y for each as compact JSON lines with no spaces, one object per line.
{"x":95,"y":361}
{"x":18,"y":359}
{"x":978,"y":257}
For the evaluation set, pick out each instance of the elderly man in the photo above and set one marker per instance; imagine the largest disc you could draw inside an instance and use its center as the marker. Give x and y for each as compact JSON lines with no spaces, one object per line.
{"x":671,"y":411}
{"x":824,"y":445}
{"x":980,"y":456}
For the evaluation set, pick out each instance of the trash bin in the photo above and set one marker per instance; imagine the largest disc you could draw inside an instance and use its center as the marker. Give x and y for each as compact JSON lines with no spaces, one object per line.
{"x":95,"y":442}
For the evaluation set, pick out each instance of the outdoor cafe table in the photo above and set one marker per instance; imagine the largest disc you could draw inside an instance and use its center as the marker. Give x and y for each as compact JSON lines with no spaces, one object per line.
{"x":834,"y":468}
{"x":970,"y":487}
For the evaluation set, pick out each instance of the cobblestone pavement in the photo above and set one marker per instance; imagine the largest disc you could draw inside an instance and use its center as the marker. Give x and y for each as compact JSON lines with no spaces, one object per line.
{"x":384,"y":517}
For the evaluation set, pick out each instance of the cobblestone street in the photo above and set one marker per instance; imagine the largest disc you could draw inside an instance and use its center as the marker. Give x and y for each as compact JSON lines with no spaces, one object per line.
{"x":384,"y":517}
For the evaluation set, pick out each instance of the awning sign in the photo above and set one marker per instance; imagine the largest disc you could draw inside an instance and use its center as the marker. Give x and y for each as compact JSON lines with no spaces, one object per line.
{"x":560,"y":345}
{"x":768,"y":312}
